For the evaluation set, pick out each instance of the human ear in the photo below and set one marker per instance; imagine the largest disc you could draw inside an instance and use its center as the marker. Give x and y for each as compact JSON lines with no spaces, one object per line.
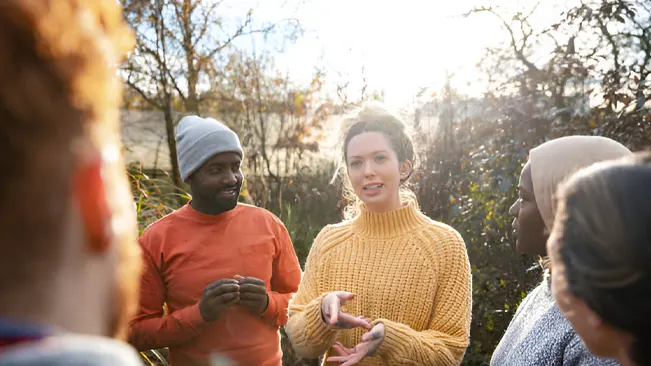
{"x":594,"y":320}
{"x":405,"y":170}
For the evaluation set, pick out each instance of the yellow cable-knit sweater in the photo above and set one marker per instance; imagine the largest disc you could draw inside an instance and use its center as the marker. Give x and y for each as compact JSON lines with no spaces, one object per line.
{"x":408,"y":272}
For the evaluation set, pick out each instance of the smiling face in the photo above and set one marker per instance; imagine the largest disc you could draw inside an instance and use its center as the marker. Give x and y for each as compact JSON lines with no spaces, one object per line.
{"x":528,"y":225}
{"x":216,"y":184}
{"x":375,"y":172}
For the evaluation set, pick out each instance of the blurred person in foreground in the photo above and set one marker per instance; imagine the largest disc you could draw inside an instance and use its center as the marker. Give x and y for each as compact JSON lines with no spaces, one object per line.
{"x":600,"y":250}
{"x":69,"y":263}
{"x":538,"y":333}
{"x":226,"y":270}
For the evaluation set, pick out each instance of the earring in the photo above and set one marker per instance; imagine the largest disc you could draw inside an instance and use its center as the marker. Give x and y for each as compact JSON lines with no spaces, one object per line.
{"x":88,"y":187}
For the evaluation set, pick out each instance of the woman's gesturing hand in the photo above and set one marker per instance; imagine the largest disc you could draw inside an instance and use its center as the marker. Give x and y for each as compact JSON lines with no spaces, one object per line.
{"x":371,"y":341}
{"x":337,"y":319}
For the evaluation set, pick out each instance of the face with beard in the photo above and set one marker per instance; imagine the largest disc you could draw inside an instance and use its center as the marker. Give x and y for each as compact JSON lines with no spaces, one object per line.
{"x":216,"y":184}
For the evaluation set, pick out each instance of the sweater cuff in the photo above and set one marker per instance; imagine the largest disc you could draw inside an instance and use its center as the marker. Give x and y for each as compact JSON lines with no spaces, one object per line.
{"x":270,"y":314}
{"x":192,"y":316}
{"x":315,"y":325}
{"x":394,"y":341}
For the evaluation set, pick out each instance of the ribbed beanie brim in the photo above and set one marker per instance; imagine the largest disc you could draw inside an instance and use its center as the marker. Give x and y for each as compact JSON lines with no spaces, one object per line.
{"x":199,"y":139}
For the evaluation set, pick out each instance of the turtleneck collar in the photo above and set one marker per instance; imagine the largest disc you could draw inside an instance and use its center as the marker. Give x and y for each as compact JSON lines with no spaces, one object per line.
{"x":389,"y":224}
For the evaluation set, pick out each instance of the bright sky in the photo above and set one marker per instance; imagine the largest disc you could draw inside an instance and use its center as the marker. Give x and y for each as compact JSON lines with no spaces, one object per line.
{"x":401,"y":45}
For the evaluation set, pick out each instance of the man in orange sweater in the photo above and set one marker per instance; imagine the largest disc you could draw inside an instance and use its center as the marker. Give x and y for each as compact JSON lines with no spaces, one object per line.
{"x":226,"y":270}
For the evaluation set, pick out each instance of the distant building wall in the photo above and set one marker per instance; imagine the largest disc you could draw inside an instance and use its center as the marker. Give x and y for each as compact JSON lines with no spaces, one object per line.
{"x":145,"y":142}
{"x":144,"y":139}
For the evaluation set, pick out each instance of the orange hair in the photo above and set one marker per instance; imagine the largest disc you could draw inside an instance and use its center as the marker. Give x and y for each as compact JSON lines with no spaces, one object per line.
{"x":58,"y":88}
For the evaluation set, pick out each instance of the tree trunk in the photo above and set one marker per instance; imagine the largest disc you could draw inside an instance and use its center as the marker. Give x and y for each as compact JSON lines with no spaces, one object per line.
{"x":171,"y":144}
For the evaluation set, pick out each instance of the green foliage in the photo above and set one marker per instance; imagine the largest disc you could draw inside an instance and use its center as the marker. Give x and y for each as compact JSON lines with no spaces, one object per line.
{"x":500,"y":276}
{"x":309,"y":203}
{"x":154,"y":197}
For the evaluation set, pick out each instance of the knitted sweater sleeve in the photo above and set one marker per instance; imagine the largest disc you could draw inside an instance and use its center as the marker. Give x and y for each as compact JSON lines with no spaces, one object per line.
{"x":305,"y":328}
{"x":446,"y":340}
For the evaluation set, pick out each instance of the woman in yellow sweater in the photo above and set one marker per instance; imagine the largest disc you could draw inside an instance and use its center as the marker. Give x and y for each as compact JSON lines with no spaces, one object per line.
{"x":388,"y":286}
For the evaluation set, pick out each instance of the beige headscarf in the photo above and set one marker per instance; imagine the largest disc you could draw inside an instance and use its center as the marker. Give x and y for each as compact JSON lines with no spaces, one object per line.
{"x":555,"y":160}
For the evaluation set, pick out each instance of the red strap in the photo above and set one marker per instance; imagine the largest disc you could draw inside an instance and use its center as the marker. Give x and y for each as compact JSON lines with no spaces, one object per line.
{"x":10,"y":341}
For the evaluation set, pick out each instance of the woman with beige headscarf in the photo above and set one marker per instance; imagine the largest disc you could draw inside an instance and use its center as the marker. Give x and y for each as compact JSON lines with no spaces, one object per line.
{"x":538,"y":333}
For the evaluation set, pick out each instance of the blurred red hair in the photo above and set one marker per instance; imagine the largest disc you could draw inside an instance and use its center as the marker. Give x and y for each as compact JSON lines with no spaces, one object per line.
{"x":58,"y":91}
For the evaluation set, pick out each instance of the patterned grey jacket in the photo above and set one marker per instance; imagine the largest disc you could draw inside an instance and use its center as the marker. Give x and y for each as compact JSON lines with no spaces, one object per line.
{"x":539,"y":335}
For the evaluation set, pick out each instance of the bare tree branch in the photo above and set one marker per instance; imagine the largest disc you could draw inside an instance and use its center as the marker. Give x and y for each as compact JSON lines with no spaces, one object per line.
{"x":514,"y":45}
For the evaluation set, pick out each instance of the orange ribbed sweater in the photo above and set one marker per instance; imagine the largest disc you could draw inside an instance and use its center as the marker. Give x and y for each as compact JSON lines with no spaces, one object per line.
{"x":407,"y":271}
{"x":187,"y":250}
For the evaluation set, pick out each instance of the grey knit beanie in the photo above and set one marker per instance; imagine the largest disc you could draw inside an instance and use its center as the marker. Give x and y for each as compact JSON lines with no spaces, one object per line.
{"x":199,"y":139}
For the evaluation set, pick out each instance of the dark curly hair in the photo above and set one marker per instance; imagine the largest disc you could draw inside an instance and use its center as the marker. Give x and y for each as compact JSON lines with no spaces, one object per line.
{"x":604,"y":227}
